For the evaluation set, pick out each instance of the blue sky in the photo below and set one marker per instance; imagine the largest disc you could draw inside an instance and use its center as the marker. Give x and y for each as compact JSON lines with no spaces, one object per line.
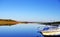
{"x":36,"y":10}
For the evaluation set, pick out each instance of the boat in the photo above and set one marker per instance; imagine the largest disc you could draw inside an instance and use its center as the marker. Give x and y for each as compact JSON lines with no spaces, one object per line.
{"x":51,"y":32}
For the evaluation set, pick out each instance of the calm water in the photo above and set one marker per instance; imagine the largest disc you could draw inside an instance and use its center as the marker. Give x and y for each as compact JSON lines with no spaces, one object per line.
{"x":23,"y":30}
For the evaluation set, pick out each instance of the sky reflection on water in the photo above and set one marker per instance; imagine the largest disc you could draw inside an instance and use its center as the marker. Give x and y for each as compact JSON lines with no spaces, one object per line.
{"x":23,"y":30}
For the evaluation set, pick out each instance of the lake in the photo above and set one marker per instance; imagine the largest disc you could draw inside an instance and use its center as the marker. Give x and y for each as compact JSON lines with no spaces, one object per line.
{"x":21,"y":30}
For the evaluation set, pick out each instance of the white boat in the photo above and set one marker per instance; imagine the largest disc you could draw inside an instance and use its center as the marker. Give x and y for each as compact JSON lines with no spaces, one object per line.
{"x":51,"y":31}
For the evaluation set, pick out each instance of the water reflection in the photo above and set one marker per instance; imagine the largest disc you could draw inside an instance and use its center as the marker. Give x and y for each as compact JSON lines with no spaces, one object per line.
{"x":23,"y":30}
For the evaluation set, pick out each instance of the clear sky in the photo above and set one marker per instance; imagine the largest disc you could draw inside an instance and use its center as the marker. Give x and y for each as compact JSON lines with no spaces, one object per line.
{"x":35,"y":10}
